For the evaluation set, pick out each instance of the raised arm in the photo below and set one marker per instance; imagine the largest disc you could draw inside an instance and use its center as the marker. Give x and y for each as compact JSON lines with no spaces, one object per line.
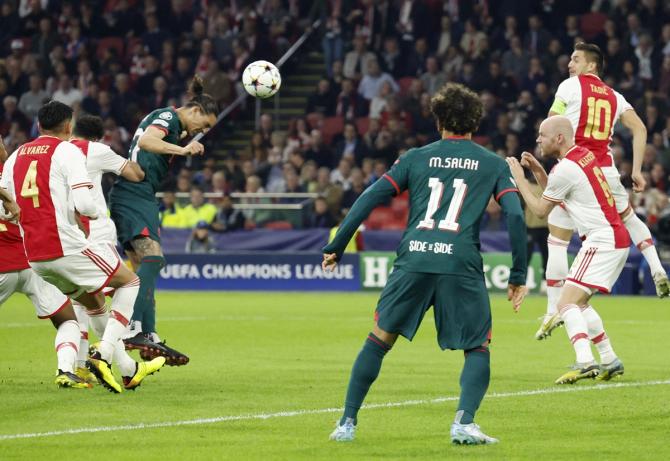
{"x":529,"y":161}
{"x":152,"y":141}
{"x":540,"y":206}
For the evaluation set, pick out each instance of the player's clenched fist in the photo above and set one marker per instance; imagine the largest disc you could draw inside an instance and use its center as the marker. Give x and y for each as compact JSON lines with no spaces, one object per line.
{"x":529,"y":161}
{"x":193,"y":148}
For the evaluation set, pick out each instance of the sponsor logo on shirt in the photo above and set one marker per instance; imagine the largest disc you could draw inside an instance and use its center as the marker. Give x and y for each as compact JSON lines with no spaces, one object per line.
{"x":161,"y":123}
{"x":166,"y":115}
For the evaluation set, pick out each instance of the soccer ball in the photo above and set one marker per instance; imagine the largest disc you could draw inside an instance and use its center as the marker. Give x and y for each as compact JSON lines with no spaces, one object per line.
{"x":261,"y":79}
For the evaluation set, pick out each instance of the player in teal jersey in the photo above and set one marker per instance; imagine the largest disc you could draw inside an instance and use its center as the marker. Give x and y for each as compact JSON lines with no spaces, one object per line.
{"x":439,"y":263}
{"x":134,"y":207}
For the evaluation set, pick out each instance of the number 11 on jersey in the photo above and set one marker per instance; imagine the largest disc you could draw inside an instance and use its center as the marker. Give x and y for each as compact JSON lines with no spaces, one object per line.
{"x":449,"y":223}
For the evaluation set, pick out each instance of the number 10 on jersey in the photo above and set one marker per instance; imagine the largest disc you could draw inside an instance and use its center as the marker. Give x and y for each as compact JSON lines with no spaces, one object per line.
{"x":449,"y":223}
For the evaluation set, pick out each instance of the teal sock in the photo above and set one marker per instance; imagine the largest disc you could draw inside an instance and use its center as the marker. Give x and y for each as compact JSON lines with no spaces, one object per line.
{"x":145,"y":307}
{"x":474,"y":383}
{"x":363,"y":374}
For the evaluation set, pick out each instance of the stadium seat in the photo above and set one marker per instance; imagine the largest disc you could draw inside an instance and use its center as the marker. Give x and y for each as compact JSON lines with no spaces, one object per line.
{"x":404,"y":84}
{"x":331,"y":127}
{"x":278,"y":225}
{"x":400,"y":205}
{"x":481,"y":140}
{"x":379,"y":218}
{"x":314,"y":120}
{"x":110,"y":42}
{"x":362,"y":125}
{"x":591,"y":24}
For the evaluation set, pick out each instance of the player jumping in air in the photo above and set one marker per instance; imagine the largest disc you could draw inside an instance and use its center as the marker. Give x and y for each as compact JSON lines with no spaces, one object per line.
{"x":100,"y":159}
{"x":579,"y":184}
{"x":48,"y":179}
{"x":593,"y":109}
{"x":16,"y":276}
{"x":134,"y":208}
{"x":450,"y":183}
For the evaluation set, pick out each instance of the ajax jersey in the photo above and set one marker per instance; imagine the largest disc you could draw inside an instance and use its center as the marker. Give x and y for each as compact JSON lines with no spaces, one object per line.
{"x":593,"y":108}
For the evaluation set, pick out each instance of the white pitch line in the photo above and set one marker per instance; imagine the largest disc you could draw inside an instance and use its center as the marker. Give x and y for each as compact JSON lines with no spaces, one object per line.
{"x":286,"y":414}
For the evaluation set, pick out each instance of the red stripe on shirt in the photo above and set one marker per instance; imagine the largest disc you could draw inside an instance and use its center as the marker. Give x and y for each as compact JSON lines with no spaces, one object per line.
{"x":504,"y":191}
{"x":393,"y":183}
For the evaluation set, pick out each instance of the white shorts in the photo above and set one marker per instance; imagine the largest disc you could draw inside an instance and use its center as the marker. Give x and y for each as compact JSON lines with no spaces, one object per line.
{"x":596,"y":269}
{"x":620,"y":194}
{"x":46,"y":298}
{"x":88,"y":271}
{"x":559,"y":217}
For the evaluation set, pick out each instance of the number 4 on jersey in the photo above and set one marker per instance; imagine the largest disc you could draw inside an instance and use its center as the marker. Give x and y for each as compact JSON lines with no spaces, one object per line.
{"x":449,"y":223}
{"x":29,"y":187}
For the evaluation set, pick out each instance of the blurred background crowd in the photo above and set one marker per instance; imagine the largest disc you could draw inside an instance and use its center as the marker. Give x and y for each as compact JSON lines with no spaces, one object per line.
{"x":383,"y":60}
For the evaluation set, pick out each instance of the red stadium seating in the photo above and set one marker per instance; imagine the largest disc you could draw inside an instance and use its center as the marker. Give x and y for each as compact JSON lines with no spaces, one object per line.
{"x":278,"y":225}
{"x":591,"y":24}
{"x":362,"y":125}
{"x":330,"y":127}
{"x":379,"y":218}
{"x":110,"y":42}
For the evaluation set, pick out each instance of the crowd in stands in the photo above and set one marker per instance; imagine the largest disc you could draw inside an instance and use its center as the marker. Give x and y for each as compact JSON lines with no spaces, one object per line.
{"x":384,"y":59}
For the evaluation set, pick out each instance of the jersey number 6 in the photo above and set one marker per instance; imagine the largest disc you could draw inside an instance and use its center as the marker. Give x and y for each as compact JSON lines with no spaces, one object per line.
{"x":449,"y":222}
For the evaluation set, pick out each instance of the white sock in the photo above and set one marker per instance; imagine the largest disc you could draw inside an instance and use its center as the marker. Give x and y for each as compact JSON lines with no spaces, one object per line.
{"x":557,"y":271}
{"x":123,"y":303}
{"x":125,"y":362}
{"x":82,"y":320}
{"x":67,"y":338}
{"x":598,"y":336}
{"x":641,"y":236}
{"x":98,"y":320}
{"x":575,"y":326}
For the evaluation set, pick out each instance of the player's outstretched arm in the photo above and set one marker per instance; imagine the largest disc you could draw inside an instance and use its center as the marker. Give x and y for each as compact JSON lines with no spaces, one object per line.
{"x":516,"y":227}
{"x":632,"y":121}
{"x":133,"y":172}
{"x":152,"y":141}
{"x":538,"y":205}
{"x":516,"y":294}
{"x":373,"y":196}
{"x":10,"y":209}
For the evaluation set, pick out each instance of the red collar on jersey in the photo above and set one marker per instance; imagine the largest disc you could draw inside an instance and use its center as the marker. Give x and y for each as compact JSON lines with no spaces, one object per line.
{"x":592,"y":75}
{"x":451,"y":138}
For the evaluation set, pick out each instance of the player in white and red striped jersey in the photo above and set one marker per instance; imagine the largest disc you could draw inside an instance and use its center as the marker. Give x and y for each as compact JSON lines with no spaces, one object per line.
{"x":101,"y":159}
{"x":48,"y":179}
{"x":593,"y":109}
{"x":580,"y":185}
{"x":16,"y":276}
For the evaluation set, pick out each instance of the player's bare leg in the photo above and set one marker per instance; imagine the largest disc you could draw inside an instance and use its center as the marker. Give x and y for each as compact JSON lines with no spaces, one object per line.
{"x":149,"y":255}
{"x":641,"y":237}
{"x":572,"y":300}
{"x":67,"y":341}
{"x":557,"y":271}
{"x":364,"y":372}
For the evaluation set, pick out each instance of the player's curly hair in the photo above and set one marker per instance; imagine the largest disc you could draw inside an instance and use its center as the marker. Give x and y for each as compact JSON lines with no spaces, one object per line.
{"x":200,"y":99}
{"x":457,"y":109}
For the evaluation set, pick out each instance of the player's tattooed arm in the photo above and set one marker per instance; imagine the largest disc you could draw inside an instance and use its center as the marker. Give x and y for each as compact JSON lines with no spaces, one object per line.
{"x":144,"y":246}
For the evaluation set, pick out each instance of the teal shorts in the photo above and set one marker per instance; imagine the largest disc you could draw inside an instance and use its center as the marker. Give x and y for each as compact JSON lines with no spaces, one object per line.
{"x":134,"y":217}
{"x":460,"y":305}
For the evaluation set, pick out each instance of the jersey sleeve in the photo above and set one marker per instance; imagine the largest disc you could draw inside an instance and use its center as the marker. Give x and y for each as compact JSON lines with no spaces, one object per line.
{"x":621,"y":105}
{"x":398,"y":174}
{"x":504,"y":184}
{"x":558,"y":184}
{"x":72,"y":164}
{"x":104,"y":159}
{"x":165,"y":121}
{"x":564,"y":95}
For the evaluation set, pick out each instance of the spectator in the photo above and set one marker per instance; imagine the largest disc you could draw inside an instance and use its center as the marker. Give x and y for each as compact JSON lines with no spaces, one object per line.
{"x":44,"y":40}
{"x":32,"y":100}
{"x":371,"y":83}
{"x":154,"y":36}
{"x":415,"y":61}
{"x":351,"y":147}
{"x":331,"y":192}
{"x":320,"y":215}
{"x":380,"y":102}
{"x":12,"y":115}
{"x":355,"y":191}
{"x":171,"y":213}
{"x":537,"y":38}
{"x":515,"y":61}
{"x":198,"y":210}
{"x":318,"y":151}
{"x":390,"y":58}
{"x":433,"y":79}
{"x":472,"y":40}
{"x":200,"y":241}
{"x":348,"y":104}
{"x":227,"y":217}
{"x":356,"y":61}
{"x":322,"y":100}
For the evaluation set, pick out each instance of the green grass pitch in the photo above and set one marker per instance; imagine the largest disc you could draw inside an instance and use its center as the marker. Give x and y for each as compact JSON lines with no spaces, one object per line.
{"x":268,"y":372}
